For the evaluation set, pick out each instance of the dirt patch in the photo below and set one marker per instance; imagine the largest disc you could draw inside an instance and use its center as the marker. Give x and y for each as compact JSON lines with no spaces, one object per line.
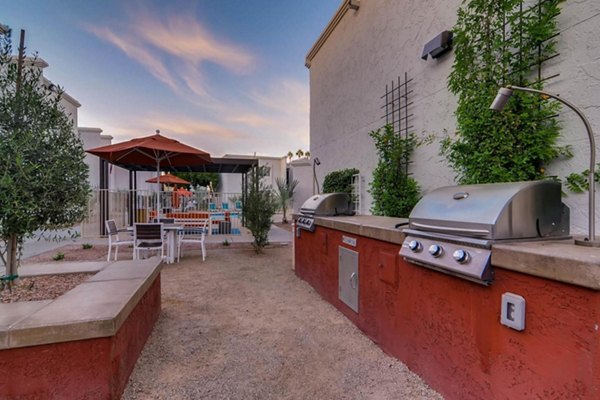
{"x":41,"y":287}
{"x":74,"y":252}
{"x":49,"y":287}
{"x":242,"y":326}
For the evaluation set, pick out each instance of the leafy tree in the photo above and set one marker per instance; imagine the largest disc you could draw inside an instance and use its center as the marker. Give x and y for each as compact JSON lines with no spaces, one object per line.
{"x":285,"y":195}
{"x":339,"y":181}
{"x":259,"y":208}
{"x":394,"y":192}
{"x":290,"y":155}
{"x":300,"y":153}
{"x":43,"y":177}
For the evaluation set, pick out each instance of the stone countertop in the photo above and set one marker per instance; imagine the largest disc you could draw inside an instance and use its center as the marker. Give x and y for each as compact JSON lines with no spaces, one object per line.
{"x":96,"y":308}
{"x":558,"y":260}
{"x":370,"y":226}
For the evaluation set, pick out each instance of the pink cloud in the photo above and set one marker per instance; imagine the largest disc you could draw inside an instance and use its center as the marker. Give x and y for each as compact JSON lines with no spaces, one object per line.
{"x":173,"y":48}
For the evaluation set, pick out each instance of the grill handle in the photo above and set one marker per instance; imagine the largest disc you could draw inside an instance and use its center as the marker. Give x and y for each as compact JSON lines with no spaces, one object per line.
{"x":450,"y":229}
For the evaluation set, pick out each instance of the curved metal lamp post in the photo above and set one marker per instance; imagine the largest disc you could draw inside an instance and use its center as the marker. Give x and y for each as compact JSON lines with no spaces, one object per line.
{"x":499,"y":104}
{"x":315,"y":163}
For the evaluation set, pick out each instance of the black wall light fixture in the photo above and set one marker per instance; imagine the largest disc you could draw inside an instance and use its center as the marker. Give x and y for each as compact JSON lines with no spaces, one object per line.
{"x":438,"y":45}
{"x":354,"y":4}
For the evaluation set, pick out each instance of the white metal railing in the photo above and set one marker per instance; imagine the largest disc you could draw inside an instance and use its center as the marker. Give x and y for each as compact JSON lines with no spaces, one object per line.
{"x":356,"y":192}
{"x":130,"y":206}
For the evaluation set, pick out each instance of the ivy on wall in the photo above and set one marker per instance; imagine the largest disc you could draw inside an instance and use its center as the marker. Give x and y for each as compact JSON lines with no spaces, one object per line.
{"x":394,"y":192}
{"x":501,"y":42}
{"x":339,"y":181}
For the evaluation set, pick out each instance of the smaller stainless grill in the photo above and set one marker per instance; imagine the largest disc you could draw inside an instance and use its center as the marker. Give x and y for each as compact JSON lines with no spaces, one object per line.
{"x":452,"y":228}
{"x":323,"y":205}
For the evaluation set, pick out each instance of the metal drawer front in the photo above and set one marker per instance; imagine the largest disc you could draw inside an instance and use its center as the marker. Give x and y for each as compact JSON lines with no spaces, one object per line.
{"x":348,"y":277}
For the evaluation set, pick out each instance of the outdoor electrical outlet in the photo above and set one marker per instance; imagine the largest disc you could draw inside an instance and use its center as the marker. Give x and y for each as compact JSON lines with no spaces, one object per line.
{"x":512,"y":313}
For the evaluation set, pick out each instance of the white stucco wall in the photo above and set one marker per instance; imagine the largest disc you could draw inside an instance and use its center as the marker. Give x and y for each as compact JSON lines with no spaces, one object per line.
{"x":301,"y":170}
{"x":92,"y":137}
{"x":383,"y":39}
{"x":232,"y":183}
{"x":71,"y":107}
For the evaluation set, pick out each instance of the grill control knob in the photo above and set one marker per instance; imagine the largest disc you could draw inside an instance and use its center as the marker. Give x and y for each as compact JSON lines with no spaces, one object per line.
{"x":461,"y":256}
{"x":415,"y":246}
{"x":435,"y":250}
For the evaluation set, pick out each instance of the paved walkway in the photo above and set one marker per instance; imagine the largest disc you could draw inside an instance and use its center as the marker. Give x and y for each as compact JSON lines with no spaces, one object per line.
{"x":243,"y":326}
{"x":55,"y":240}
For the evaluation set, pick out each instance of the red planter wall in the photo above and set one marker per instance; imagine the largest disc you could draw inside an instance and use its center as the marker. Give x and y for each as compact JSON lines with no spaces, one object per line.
{"x":85,"y":369}
{"x":447,"y":329}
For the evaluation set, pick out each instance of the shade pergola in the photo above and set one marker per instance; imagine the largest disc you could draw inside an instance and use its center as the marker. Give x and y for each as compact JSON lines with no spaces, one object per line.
{"x":154,"y":151}
{"x":217,"y":165}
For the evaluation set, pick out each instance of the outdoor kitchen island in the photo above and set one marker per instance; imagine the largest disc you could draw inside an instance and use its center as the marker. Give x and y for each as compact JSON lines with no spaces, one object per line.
{"x":447,"y":329}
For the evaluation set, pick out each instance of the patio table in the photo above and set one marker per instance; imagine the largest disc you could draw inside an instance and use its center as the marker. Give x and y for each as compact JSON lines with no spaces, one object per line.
{"x":171,"y":230}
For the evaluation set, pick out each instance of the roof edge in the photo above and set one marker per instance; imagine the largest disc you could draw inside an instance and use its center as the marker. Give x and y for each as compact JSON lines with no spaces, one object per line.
{"x":344,"y":7}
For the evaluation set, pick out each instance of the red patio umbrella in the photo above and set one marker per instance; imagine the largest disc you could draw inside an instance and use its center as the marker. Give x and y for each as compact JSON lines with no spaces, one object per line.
{"x":169,"y":180}
{"x":149,"y":151}
{"x":177,"y":193}
{"x":183,"y":192}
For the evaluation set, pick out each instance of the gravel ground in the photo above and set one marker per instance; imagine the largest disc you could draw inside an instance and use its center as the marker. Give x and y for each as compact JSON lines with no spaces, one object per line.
{"x":243,"y":326}
{"x":41,"y":287}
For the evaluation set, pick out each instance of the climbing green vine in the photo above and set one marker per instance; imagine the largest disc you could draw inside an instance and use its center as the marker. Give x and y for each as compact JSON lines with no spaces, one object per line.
{"x":501,"y":42}
{"x":394,"y":192}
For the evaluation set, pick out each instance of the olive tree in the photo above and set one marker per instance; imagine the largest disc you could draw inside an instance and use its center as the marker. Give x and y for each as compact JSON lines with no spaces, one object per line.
{"x":259,"y":208}
{"x":43,"y":177}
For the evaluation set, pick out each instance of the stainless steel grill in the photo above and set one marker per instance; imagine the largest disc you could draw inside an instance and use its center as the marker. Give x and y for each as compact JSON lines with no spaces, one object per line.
{"x":452,"y":228}
{"x":322,"y":205}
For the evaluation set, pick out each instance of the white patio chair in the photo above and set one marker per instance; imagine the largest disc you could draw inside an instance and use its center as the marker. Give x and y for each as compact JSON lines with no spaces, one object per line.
{"x":193,"y":233}
{"x":114,"y":240}
{"x":148,"y":237}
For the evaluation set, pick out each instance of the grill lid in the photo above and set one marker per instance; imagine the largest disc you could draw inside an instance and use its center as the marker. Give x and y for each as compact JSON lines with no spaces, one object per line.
{"x":328,"y":204}
{"x":494,"y":211}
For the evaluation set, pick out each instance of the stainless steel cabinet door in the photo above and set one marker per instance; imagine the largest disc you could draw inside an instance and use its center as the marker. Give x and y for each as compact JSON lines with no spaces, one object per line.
{"x":348,"y":277}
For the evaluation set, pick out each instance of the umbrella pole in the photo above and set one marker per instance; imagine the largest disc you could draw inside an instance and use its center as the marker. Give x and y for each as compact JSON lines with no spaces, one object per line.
{"x":158,"y":210}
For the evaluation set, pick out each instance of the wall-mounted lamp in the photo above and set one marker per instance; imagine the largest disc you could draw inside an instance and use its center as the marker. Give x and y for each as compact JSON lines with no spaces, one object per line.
{"x":500,"y":102}
{"x":354,"y":4}
{"x":315,"y":181}
{"x":438,"y":45}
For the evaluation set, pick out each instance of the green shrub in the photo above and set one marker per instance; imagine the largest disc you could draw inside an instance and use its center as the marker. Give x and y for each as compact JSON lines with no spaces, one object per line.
{"x":497,"y":43}
{"x":87,"y":246}
{"x":339,"y":181}
{"x":58,"y":256}
{"x":394,"y":192}
{"x":284,"y":195}
{"x":259,"y":208}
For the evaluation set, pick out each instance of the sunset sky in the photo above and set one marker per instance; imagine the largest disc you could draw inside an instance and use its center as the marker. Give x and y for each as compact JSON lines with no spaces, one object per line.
{"x":226,"y":76}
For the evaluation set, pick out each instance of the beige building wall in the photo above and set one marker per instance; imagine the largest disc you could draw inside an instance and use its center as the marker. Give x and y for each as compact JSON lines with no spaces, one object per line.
{"x":369,"y":47}
{"x":232,"y":183}
{"x":301,"y":170}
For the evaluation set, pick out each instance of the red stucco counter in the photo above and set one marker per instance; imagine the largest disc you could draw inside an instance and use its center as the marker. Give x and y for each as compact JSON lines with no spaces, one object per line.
{"x":84,"y":344}
{"x":448,"y":329}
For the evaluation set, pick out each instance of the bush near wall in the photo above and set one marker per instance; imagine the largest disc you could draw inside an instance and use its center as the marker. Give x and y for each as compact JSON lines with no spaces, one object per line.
{"x":339,"y":181}
{"x":501,"y":42}
{"x":394,"y":192}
